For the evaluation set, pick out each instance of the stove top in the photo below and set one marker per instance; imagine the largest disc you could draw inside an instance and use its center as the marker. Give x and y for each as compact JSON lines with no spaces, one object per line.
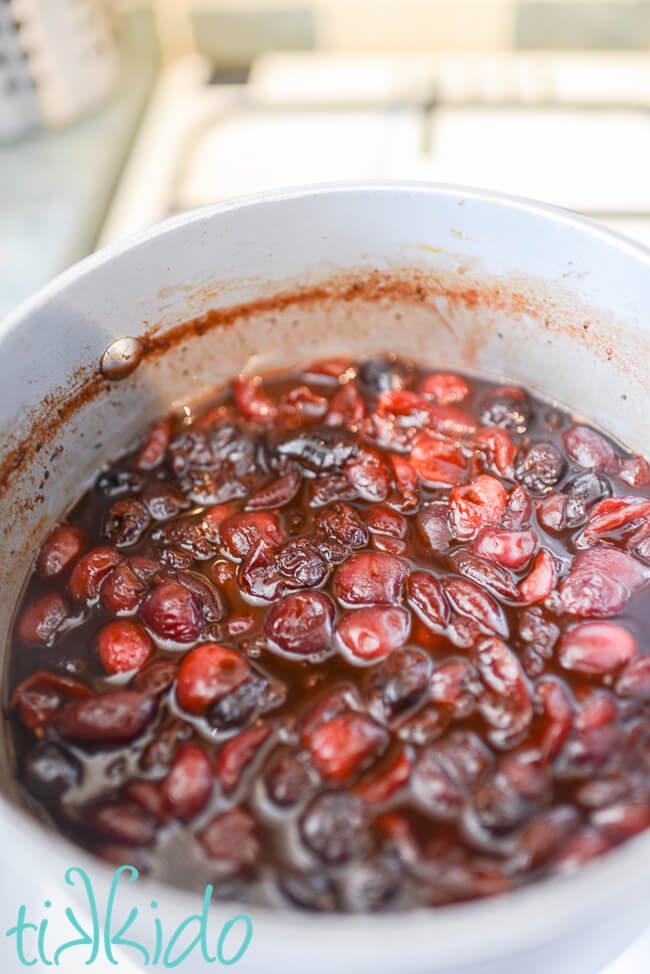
{"x":572,"y":130}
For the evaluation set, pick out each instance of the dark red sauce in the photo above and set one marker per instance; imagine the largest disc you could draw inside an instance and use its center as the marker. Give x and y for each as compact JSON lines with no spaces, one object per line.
{"x":366,"y":636}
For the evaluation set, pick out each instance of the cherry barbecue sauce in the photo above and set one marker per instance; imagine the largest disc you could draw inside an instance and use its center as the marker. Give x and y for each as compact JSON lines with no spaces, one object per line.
{"x":366,"y":636}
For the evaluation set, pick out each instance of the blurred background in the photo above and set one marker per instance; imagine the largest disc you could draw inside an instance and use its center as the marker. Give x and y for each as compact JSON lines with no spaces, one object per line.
{"x":116,"y":114}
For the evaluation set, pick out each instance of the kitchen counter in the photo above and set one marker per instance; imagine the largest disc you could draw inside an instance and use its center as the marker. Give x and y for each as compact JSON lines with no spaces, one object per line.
{"x":55,"y":186}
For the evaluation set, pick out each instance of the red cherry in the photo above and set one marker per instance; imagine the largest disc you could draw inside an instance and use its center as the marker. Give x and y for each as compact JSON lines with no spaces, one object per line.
{"x":512,"y":549}
{"x":252,"y":401}
{"x":241,"y":532}
{"x":369,"y":474}
{"x":538,"y":584}
{"x":207,"y":674}
{"x":122,"y":591}
{"x":426,"y":597}
{"x":634,"y":681}
{"x":590,"y":449}
{"x":596,"y":647}
{"x":123,"y":646}
{"x":384,"y":784}
{"x":374,"y":632}
{"x":172,"y":612}
{"x":301,"y":624}
{"x":406,"y":481}
{"x":229,"y":840}
{"x":341,"y":745}
{"x":301,"y":406}
{"x":601,"y":581}
{"x":438,"y":461}
{"x":382,"y":519}
{"x":498,"y":447}
{"x":40,"y":696}
{"x":188,"y":785}
{"x":237,"y":753}
{"x":552,"y":697}
{"x":635,"y":471}
{"x":445,"y":388}
{"x":153,"y":450}
{"x":347,"y":407}
{"x":89,"y":572}
{"x":372,"y":578}
{"x":470,"y":600}
{"x":214,"y":518}
{"x":59,"y":550}
{"x":479,"y":503}
{"x":41,"y":620}
{"x":506,"y":703}
{"x":455,"y":684}
{"x":614,"y":514}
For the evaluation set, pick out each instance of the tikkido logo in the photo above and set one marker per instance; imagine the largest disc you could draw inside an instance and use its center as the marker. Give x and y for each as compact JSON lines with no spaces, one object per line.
{"x":35,"y":944}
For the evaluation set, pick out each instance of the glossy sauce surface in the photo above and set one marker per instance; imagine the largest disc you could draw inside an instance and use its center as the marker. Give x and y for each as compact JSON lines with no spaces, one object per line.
{"x":368,"y":636}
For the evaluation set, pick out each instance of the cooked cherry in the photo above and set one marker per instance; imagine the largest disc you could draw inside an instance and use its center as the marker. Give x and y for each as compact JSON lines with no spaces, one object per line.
{"x":445,"y":388}
{"x":433,"y":526}
{"x":123,"y":646}
{"x":126,"y":522}
{"x":596,"y":647}
{"x":301,"y":624}
{"x":371,"y":885}
{"x":237,"y":753}
{"x":302,"y":565}
{"x":188,"y":785}
{"x":40,"y":621}
{"x":108,"y":718}
{"x":163,"y":501}
{"x":479,"y":503}
{"x":238,"y":706}
{"x":49,"y":770}
{"x":341,"y":746}
{"x":153,"y":450}
{"x":601,"y":581}
{"x":122,"y":591}
{"x":399,"y":683}
{"x":230,"y":840}
{"x":240,"y":533}
{"x":347,"y":407}
{"x":540,"y":467}
{"x":384,"y":372}
{"x":156,"y":677}
{"x":89,"y":572}
{"x":342,"y":523}
{"x":582,"y":492}
{"x":334,"y":827}
{"x":506,"y":406}
{"x":309,"y":892}
{"x":172,"y":612}
{"x":40,"y":696}
{"x":207,"y":674}
{"x":287,"y":781}
{"x":370,"y":579}
{"x":277,"y":494}
{"x":590,"y":449}
{"x":59,"y":550}
{"x":369,"y":474}
{"x":374,"y":632}
{"x":122,"y":823}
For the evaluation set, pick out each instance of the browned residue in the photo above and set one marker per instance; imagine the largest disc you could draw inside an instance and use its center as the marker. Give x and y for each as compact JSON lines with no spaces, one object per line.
{"x":559,"y":310}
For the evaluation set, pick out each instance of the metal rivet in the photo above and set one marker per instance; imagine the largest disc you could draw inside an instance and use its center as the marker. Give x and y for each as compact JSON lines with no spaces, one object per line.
{"x":121,"y":358}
